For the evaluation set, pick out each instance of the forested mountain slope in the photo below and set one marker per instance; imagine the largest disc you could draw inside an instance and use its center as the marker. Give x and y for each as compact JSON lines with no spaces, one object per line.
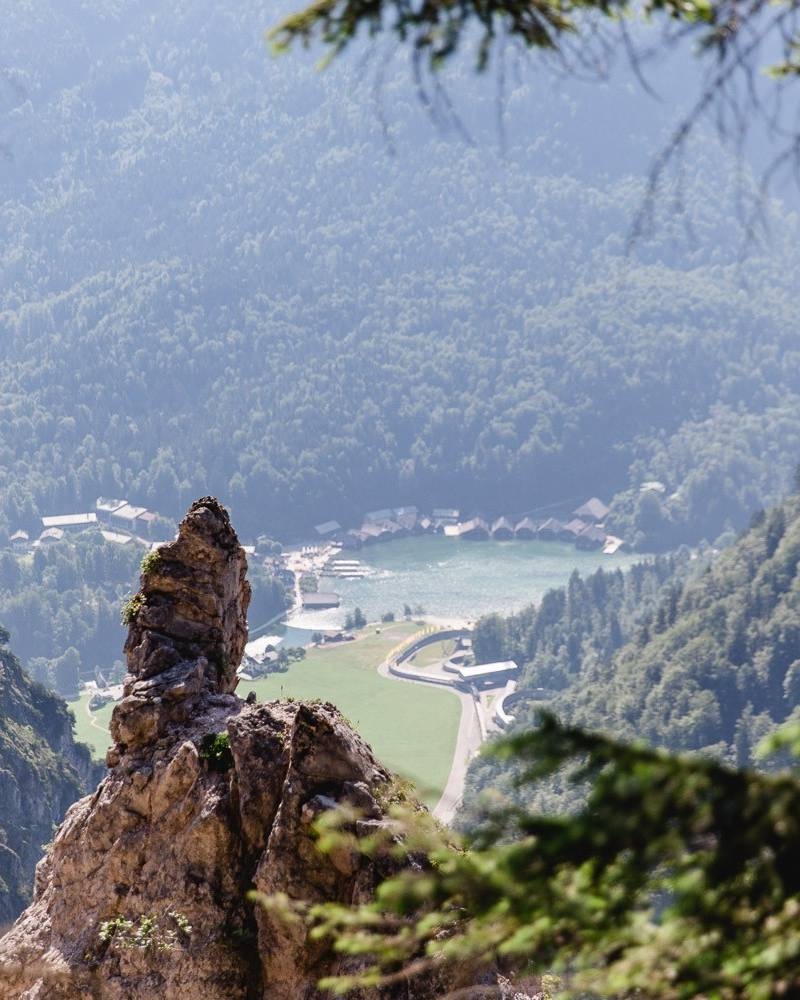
{"x":709,"y":662}
{"x":42,"y":772}
{"x":718,"y":668}
{"x":216,"y":277}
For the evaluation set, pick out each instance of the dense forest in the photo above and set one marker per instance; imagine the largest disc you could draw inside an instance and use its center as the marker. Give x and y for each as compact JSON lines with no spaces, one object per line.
{"x":42,"y":772}
{"x":688,"y":654}
{"x":220,"y":275}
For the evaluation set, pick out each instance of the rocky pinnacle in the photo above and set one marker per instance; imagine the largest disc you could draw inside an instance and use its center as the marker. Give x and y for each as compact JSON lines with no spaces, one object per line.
{"x":144,"y":892}
{"x":187,"y":628}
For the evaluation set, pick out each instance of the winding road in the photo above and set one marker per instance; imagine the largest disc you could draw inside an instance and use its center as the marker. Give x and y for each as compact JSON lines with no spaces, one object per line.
{"x":469,"y":736}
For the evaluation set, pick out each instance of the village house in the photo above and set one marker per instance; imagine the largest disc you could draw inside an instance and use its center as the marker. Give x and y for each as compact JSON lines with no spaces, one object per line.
{"x":593,"y":510}
{"x":20,"y":540}
{"x":70,"y":522}
{"x":115,"y":537}
{"x":574,"y":527}
{"x":50,"y":535}
{"x":145,"y":523}
{"x":353,"y":540}
{"x":370,"y":533}
{"x":445,"y":515}
{"x":105,"y":507}
{"x":406,"y":517}
{"x":488,"y":674}
{"x":128,"y":516}
{"x":375,"y":516}
{"x":385,"y":524}
{"x":318,"y":601}
{"x":327,"y":528}
{"x":591,"y":537}
{"x":390,"y":529}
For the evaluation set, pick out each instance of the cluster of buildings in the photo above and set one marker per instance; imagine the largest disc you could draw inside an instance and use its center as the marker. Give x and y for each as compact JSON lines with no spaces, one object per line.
{"x":584,"y":527}
{"x":118,"y":521}
{"x":121,"y":514}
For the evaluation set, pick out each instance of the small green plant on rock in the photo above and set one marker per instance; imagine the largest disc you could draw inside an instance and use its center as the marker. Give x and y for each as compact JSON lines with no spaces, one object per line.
{"x":395,"y":792}
{"x":131,"y":608}
{"x":182,"y":922}
{"x":117,"y":928}
{"x":147,"y":933}
{"x":215,"y":748}
{"x":150,"y":562}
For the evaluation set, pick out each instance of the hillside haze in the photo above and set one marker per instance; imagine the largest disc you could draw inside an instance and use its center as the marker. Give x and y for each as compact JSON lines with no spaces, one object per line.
{"x":218,"y":275}
{"x":400,"y":495}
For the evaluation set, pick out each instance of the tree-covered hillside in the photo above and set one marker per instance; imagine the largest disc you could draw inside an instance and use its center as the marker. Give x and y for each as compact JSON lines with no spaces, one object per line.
{"x":704,"y":658}
{"x":217,"y":275}
{"x":42,"y":772}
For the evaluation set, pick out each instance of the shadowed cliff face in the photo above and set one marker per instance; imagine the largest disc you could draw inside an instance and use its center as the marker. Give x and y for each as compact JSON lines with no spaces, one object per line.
{"x":42,"y":772}
{"x":188,"y":820}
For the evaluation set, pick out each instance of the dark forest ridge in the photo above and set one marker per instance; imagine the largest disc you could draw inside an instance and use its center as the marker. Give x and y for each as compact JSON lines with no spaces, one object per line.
{"x":307,"y":326}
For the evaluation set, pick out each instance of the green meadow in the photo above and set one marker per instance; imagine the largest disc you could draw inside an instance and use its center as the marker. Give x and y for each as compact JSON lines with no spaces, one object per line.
{"x":411,"y":728}
{"x":91,"y":728}
{"x":434,"y":653}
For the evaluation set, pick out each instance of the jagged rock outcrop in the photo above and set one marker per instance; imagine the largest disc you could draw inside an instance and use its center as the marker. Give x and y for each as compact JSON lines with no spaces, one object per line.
{"x":188,"y":629}
{"x":188,"y":820}
{"x":42,"y":772}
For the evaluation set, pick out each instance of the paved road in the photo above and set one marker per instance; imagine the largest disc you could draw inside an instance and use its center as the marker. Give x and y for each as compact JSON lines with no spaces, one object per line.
{"x":468,"y":739}
{"x":467,"y":745}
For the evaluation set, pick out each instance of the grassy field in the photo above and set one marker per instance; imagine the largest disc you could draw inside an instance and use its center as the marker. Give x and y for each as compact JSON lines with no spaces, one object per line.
{"x":434,"y":653}
{"x":412,"y":728}
{"x":95,"y":736}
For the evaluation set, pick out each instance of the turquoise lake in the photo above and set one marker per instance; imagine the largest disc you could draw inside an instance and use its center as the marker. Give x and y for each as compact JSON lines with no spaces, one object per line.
{"x":456,"y":580}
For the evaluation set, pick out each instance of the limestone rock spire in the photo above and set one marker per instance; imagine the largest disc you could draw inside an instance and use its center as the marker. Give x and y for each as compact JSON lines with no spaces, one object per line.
{"x":187,"y":626}
{"x":178,"y":832}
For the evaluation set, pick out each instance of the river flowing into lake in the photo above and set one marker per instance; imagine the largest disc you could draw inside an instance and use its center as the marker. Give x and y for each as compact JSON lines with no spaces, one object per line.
{"x":455,"y":580}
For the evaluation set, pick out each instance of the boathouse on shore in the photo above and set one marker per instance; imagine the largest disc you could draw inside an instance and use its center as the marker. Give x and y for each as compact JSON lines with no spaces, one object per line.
{"x":502,"y":529}
{"x":527,"y":528}
{"x":376,"y":516}
{"x":319,"y":601}
{"x":551,"y":529}
{"x":474,"y":530}
{"x":591,"y":538}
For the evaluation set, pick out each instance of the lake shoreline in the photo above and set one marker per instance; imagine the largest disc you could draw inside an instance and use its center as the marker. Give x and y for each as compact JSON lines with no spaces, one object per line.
{"x":452,"y":582}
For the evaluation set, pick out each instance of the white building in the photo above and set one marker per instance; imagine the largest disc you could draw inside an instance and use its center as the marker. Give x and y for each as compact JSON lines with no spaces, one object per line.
{"x":70,"y":522}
